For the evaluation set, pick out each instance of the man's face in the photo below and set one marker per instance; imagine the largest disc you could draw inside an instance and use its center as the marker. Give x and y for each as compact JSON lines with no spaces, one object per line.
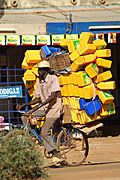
{"x":42,"y":72}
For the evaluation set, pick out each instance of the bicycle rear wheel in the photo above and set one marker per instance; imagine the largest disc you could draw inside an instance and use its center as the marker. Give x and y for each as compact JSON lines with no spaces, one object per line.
{"x":74,"y":149}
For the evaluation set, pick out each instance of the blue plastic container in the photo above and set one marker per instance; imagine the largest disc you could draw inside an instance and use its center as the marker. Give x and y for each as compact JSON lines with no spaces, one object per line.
{"x":54,"y":50}
{"x":45,"y":51}
{"x":93,"y":106}
{"x":82,"y":102}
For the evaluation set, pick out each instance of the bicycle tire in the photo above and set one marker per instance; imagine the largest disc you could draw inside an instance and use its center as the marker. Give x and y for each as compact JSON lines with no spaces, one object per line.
{"x":73,"y":150}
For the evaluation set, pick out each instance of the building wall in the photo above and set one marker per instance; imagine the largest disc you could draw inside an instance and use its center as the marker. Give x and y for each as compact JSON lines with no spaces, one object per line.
{"x":30,"y":17}
{"x":39,"y":3}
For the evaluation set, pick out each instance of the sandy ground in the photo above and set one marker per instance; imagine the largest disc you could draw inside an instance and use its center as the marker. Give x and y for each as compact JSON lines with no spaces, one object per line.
{"x":103,"y":162}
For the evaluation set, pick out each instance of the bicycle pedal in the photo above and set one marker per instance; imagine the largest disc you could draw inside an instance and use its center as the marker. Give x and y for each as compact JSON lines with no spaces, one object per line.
{"x":63,"y":163}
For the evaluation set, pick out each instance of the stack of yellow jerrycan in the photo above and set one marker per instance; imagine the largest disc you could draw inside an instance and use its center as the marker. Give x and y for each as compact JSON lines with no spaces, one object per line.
{"x":30,"y":61}
{"x":87,"y":88}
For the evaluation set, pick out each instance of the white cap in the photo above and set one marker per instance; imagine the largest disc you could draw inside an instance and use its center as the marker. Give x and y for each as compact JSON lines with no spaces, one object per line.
{"x":44,"y":64}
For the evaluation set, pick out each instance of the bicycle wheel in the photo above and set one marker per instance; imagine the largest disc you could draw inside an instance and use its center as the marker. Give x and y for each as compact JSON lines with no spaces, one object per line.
{"x":72,"y":148}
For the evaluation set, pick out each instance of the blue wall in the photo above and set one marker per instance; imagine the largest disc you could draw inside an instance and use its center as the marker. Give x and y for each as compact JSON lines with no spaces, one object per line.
{"x":78,"y":27}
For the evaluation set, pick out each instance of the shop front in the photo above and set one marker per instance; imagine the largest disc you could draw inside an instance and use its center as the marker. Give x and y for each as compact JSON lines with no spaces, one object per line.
{"x":12,"y":51}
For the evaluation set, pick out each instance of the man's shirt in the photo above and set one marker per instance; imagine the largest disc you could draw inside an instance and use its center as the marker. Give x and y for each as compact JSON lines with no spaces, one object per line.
{"x":45,"y":87}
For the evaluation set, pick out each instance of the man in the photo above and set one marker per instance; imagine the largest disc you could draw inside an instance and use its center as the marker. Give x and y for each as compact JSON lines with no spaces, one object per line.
{"x":48,"y":93}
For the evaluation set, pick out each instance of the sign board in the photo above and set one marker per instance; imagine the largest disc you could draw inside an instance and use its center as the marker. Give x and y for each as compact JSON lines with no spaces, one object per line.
{"x":10,"y":92}
{"x":56,"y":39}
{"x":71,"y":36}
{"x":43,"y":40}
{"x":2,"y":40}
{"x":28,"y":40}
{"x":12,"y":40}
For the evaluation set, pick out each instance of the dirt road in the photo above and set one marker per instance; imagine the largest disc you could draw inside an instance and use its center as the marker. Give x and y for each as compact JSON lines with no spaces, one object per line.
{"x":103,"y":162}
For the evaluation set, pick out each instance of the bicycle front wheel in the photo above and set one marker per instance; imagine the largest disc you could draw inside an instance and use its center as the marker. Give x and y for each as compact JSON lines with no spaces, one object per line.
{"x":74,"y":149}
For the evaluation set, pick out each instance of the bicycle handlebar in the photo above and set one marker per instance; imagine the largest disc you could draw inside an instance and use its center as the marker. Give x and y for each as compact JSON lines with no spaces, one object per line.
{"x":23,"y":112}
{"x":27,"y":112}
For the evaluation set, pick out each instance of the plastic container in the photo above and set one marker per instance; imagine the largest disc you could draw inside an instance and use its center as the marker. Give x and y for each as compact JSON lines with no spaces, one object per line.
{"x":60,"y":78}
{"x":103,"y":53}
{"x":103,"y":76}
{"x":29,"y":76}
{"x":93,"y":106}
{"x":64,"y":91}
{"x":103,"y":63}
{"x":74,"y":55}
{"x":72,"y":90}
{"x":24,"y":64}
{"x":84,"y":118}
{"x":82,"y":102}
{"x":86,"y":37}
{"x":111,"y":108}
{"x":77,"y":103}
{"x":32,"y":56}
{"x":89,"y":58}
{"x":100,"y":44}
{"x":54,"y":49}
{"x":73,"y":103}
{"x":73,"y":79}
{"x":89,"y":91}
{"x":106,"y":85}
{"x":64,"y":42}
{"x":64,"y":79}
{"x":35,"y":70}
{"x":76,"y":65}
{"x":92,"y":70}
{"x":108,"y":109}
{"x":28,"y":84}
{"x":105,"y":96}
{"x":45,"y":52}
{"x":76,"y":43}
{"x":71,"y":46}
{"x":27,"y":66}
{"x":65,"y":101}
{"x":37,"y":79}
{"x":83,"y":79}
{"x":31,"y":91}
{"x":81,"y":94}
{"x":74,"y":114}
{"x":86,"y":49}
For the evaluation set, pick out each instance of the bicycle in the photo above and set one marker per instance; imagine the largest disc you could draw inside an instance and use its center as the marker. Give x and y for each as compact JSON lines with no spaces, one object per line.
{"x":70,"y":141}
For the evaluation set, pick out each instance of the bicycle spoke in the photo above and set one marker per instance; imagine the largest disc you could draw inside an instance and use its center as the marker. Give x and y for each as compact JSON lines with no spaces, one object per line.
{"x":74,"y":150}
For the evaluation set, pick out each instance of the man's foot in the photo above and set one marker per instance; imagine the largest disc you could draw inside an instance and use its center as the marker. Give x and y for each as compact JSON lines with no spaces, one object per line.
{"x":57,"y":158}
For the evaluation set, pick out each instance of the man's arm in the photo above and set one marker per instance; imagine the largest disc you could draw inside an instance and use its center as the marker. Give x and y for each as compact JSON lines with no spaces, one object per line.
{"x":53,"y":95}
{"x":35,"y":101}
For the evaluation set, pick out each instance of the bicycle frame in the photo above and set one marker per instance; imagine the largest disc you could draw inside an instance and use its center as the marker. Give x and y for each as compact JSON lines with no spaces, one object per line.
{"x":27,"y":126}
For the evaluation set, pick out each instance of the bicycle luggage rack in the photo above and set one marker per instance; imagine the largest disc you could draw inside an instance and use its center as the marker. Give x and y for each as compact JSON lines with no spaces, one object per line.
{"x":89,"y":127}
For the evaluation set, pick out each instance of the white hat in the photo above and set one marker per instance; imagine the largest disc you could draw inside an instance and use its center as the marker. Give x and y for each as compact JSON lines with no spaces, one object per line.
{"x":44,"y":64}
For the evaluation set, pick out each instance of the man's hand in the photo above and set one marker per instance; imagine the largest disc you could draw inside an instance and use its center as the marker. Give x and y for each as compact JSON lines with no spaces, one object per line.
{"x":28,"y":113}
{"x":18,"y":106}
